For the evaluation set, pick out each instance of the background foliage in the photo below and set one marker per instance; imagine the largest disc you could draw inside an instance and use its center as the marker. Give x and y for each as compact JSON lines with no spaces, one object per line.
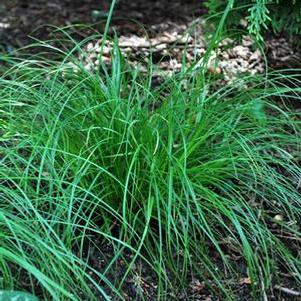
{"x":279,"y":15}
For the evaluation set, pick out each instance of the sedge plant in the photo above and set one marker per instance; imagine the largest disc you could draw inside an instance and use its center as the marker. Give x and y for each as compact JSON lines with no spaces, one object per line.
{"x":186,"y":179}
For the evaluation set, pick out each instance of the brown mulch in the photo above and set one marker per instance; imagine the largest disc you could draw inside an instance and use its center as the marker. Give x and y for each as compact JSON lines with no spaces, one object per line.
{"x":163,"y":28}
{"x":19,"y":18}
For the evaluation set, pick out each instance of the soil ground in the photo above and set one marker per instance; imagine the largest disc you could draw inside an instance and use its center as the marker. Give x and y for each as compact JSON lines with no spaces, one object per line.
{"x":19,"y":18}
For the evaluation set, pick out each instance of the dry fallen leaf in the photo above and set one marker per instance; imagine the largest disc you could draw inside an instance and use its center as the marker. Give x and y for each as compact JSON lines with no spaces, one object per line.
{"x":215,"y":70}
{"x":197,"y":286}
{"x":246,"y":280}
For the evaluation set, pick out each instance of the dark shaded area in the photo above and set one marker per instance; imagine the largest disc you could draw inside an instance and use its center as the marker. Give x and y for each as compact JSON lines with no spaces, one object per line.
{"x":20,"y":18}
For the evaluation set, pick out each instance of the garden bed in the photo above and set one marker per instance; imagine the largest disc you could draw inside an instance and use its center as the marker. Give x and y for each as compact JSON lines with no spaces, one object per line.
{"x":68,"y":125}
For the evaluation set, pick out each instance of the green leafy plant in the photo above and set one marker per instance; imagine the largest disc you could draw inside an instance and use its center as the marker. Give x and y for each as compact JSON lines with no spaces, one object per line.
{"x":261,"y":14}
{"x":16,"y":296}
{"x":86,"y":160}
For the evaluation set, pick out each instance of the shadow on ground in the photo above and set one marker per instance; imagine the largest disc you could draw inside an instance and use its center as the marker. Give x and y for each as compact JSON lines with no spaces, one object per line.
{"x":21,"y":18}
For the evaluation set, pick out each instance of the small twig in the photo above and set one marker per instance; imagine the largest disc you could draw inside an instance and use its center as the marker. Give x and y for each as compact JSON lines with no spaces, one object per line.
{"x":288,"y":237}
{"x":289,"y":275}
{"x":287,"y":291}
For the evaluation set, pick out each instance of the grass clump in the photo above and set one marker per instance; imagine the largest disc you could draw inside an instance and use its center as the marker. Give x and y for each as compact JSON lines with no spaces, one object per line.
{"x":191,"y":187}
